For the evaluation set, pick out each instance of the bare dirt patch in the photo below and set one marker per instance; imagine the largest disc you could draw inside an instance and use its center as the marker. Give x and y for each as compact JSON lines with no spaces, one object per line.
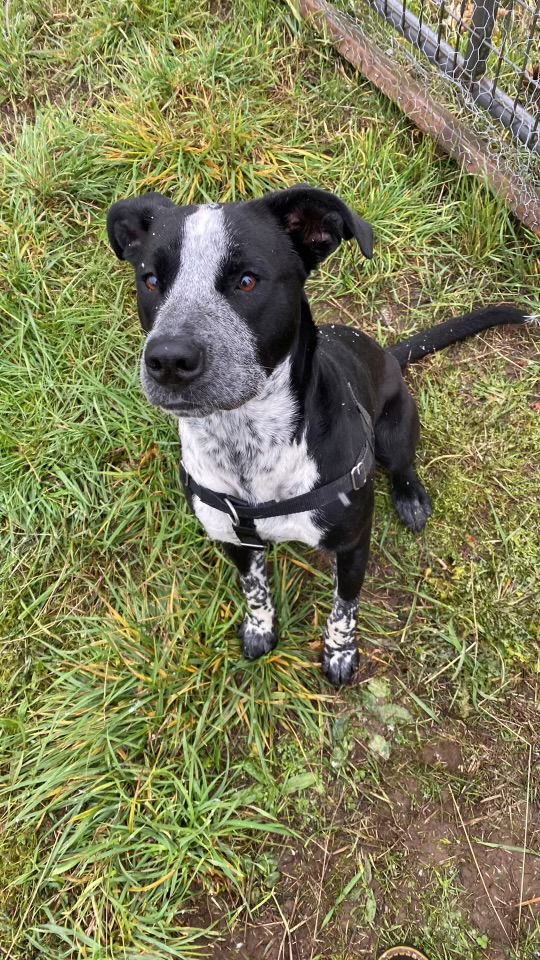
{"x":473,"y":830}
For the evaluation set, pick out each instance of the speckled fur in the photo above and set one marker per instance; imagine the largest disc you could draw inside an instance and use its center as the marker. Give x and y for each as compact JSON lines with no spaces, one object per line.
{"x":252,"y":453}
{"x":340,"y":656}
{"x":233,"y":373}
{"x":257,"y":630}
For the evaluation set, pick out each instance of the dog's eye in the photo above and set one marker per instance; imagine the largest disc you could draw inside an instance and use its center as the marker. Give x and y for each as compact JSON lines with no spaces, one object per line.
{"x":151,"y":281}
{"x":247,"y":282}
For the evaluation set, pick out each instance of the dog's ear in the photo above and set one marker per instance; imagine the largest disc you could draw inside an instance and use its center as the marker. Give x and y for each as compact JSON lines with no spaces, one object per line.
{"x":317,"y":222}
{"x":128,"y":222}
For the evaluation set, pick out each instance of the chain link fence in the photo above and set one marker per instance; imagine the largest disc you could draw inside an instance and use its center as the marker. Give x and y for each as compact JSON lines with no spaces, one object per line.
{"x":466,"y":71}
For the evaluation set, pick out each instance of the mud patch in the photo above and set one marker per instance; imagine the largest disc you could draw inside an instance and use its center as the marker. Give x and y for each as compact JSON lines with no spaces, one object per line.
{"x":450,"y":812}
{"x":443,"y":753}
{"x":291,"y":926}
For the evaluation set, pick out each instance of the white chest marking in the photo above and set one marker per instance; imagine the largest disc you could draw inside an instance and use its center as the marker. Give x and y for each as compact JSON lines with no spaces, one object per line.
{"x":250,"y":453}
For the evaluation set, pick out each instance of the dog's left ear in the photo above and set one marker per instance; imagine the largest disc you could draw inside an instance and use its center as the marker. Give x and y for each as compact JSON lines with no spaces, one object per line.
{"x":317,"y":222}
{"x":128,"y":222}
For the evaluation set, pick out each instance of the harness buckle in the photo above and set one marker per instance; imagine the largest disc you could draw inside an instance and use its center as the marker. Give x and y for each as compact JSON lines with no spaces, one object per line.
{"x":357,"y":481}
{"x":234,"y":516}
{"x":245,"y":531}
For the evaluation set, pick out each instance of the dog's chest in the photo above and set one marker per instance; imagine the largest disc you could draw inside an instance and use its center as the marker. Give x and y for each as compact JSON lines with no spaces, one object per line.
{"x":251,"y":453}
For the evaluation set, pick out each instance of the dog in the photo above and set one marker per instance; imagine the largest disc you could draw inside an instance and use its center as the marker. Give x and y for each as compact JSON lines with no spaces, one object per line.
{"x":281,"y":422}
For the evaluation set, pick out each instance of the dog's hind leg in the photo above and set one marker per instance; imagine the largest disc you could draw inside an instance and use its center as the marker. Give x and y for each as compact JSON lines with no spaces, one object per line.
{"x":257,"y":629}
{"x":396,"y":435}
{"x":340,"y":652}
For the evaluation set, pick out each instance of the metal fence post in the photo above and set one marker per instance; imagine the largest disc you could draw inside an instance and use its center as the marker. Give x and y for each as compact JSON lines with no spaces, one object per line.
{"x":482,"y":23}
{"x":484,"y":91}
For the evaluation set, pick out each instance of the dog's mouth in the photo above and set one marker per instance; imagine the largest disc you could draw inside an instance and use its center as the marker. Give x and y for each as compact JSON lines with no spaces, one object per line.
{"x":184,"y":408}
{"x":189,"y":408}
{"x":177,"y":406}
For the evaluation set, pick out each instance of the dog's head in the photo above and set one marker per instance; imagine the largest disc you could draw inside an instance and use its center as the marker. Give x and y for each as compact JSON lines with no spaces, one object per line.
{"x":219,"y":287}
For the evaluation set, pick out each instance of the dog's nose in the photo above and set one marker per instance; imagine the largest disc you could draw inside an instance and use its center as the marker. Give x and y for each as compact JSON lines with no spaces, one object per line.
{"x":173,"y":361}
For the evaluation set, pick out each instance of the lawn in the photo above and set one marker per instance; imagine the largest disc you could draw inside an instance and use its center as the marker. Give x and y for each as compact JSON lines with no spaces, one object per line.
{"x":160,"y":796}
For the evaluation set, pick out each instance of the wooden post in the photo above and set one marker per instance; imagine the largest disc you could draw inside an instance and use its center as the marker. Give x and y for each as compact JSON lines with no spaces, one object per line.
{"x":430,"y":117}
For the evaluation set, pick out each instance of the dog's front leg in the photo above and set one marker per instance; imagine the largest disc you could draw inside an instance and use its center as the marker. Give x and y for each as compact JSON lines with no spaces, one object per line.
{"x":257,"y":629}
{"x":340,"y":652}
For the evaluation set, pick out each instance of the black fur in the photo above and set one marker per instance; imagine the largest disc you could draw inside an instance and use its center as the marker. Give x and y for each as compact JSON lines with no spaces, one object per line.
{"x":451,"y":331}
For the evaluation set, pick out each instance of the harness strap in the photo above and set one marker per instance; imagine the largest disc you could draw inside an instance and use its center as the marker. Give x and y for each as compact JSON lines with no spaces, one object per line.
{"x":244,"y":514}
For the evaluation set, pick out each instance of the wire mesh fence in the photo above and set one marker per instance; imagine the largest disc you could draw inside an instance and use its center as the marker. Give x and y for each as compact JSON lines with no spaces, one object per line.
{"x":490,"y":50}
{"x":466,"y":71}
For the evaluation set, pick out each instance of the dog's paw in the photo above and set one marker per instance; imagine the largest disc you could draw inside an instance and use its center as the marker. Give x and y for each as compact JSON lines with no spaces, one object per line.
{"x":256,"y":639}
{"x":413,"y":506}
{"x":340,"y":665}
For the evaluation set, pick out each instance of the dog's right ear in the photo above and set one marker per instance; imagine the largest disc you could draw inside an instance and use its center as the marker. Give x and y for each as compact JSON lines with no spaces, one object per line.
{"x":128,"y":222}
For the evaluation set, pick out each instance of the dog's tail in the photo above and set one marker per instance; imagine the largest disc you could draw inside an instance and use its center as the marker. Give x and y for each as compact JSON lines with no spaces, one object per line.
{"x":442,"y":335}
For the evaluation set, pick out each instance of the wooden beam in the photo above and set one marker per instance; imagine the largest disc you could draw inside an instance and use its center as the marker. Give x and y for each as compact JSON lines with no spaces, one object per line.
{"x":429,"y":116}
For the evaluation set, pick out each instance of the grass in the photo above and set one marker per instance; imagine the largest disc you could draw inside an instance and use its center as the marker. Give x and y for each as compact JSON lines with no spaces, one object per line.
{"x":152,"y":781}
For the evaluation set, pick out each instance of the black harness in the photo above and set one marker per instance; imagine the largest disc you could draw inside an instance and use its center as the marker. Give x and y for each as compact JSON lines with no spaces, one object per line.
{"x":243,"y":514}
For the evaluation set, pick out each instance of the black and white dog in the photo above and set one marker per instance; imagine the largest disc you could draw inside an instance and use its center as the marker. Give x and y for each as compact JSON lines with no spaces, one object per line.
{"x":280,"y":421}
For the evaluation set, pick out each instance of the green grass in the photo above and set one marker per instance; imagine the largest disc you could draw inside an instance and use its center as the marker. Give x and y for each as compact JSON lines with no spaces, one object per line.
{"x":151,"y":778}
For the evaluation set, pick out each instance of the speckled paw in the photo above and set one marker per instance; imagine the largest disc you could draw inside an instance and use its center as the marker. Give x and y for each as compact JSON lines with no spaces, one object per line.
{"x":255,"y":641}
{"x":340,"y":665}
